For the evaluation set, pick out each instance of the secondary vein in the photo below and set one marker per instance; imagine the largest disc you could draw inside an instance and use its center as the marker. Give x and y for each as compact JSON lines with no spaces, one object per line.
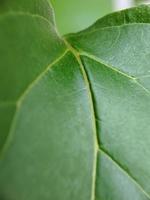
{"x":124,"y":171}
{"x":92,"y":100}
{"x":135,"y":79}
{"x":22,"y":97}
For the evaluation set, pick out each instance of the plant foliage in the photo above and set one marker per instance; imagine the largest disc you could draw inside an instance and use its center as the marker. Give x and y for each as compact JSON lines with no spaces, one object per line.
{"x":74,"y":110}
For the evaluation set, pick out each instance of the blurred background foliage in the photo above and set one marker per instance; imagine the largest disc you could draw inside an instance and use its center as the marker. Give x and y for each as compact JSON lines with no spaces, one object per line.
{"x":75,"y":15}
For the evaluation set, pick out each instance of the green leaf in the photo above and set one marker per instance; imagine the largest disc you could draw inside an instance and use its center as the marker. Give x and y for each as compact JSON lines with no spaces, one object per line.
{"x":74,"y":111}
{"x":34,"y":7}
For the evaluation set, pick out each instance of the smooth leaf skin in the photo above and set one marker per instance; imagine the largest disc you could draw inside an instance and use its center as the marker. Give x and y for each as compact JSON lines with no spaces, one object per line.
{"x":122,"y":106}
{"x":74,"y":112}
{"x":117,"y":59}
{"x":34,"y":7}
{"x":6,"y":116}
{"x":47,"y":144}
{"x":119,"y":185}
{"x":50,"y":160}
{"x":17,"y":50}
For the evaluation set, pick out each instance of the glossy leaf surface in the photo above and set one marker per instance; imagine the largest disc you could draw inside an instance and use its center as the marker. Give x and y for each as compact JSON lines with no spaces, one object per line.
{"x":74,"y":111}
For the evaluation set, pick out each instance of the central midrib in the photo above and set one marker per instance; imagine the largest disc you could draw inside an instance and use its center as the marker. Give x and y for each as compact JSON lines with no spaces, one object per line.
{"x":93,"y":115}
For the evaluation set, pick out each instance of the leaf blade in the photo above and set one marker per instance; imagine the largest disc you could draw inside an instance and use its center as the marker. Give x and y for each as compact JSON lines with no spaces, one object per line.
{"x":81,"y":91}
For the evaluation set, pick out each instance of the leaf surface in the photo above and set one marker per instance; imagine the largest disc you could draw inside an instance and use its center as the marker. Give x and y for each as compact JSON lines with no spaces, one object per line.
{"x":74,"y":111}
{"x":35,"y":7}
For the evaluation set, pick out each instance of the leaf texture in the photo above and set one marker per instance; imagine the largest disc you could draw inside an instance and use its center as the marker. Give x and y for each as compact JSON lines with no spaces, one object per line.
{"x":35,"y":7}
{"x":74,"y":111}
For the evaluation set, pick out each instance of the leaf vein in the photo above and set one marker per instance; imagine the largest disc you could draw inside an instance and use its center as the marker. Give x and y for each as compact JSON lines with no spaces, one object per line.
{"x":134,"y":79}
{"x":20,"y":100}
{"x":93,"y":116}
{"x":120,"y":167}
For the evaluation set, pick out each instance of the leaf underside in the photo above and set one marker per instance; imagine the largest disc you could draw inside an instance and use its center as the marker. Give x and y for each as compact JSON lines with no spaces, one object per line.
{"x":74,"y":111}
